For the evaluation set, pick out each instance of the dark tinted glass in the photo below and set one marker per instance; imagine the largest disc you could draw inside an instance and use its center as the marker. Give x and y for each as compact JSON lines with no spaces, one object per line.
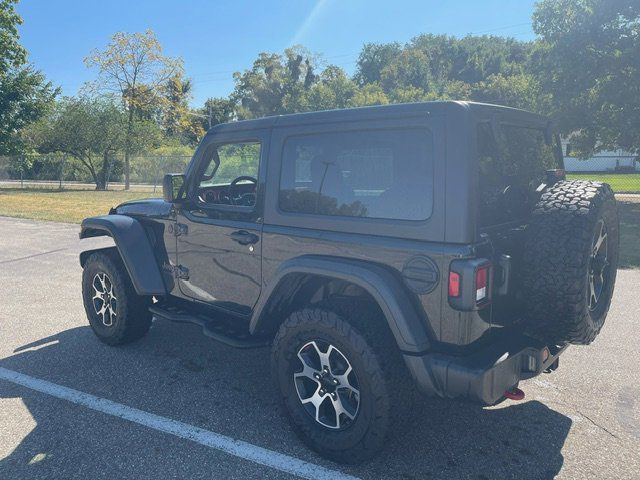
{"x":377,"y":174}
{"x":512,"y":165}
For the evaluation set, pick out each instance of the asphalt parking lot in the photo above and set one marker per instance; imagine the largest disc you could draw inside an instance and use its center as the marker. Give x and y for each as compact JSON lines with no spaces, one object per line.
{"x":175,"y":404}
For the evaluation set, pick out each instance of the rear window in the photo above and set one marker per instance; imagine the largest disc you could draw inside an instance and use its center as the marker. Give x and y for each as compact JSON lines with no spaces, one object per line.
{"x":512,"y":164}
{"x":374,"y":174}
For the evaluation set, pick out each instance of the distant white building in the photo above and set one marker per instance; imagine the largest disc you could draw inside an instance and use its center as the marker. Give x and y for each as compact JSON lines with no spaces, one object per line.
{"x":607,"y":161}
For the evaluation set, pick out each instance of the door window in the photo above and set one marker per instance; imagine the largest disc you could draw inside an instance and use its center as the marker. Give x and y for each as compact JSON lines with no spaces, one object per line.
{"x":230,"y":175}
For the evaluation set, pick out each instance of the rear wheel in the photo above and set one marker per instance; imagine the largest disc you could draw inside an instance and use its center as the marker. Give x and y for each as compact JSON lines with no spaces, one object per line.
{"x":570,"y":261}
{"x":117,"y":315}
{"x":332,"y":385}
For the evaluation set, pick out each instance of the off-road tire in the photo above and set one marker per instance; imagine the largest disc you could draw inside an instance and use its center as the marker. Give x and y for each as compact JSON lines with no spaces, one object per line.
{"x":366,"y":434}
{"x":557,"y":261}
{"x":132,"y":319}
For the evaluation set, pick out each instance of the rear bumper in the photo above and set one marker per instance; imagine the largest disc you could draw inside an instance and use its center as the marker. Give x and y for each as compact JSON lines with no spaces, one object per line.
{"x":485,"y":375}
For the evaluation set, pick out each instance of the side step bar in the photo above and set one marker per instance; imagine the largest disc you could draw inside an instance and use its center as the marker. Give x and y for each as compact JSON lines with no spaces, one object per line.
{"x":218,"y":331}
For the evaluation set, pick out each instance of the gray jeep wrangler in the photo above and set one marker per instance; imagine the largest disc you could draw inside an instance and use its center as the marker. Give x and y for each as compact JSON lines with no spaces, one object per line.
{"x":430,"y":245}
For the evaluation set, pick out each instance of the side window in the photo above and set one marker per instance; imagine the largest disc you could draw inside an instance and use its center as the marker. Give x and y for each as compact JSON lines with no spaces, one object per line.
{"x":511,"y":165}
{"x":375,"y":174}
{"x":230,"y":175}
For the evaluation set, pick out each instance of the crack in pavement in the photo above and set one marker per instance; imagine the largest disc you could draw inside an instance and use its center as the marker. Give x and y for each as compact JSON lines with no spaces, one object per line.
{"x":31,"y":256}
{"x":579,"y":412}
{"x":597,"y":424}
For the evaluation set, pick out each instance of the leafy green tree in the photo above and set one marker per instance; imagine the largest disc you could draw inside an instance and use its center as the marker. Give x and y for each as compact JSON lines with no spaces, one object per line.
{"x":178,"y":120}
{"x":473,"y":59}
{"x":133,"y":66}
{"x":275,"y":83}
{"x":519,"y":91}
{"x":590,"y":62}
{"x":92,"y":131}
{"x":12,"y":54}
{"x":437,"y":66}
{"x":370,"y":94}
{"x":334,"y":89}
{"x":25,"y":95}
{"x":407,"y":94}
{"x":409,"y":69}
{"x":373,"y":58}
{"x":216,"y":110}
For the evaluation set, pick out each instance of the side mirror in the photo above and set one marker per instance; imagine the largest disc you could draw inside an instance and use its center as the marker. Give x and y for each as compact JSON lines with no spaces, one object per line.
{"x":173,"y":187}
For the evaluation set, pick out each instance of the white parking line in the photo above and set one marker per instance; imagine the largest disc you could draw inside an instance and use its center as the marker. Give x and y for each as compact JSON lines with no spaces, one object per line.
{"x":238,"y":448}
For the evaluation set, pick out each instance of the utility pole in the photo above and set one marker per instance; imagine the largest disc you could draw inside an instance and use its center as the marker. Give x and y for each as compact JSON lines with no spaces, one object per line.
{"x":208,"y":117}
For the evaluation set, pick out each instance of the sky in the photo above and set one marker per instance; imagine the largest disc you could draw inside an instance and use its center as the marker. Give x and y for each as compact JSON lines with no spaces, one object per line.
{"x":217,"y":37}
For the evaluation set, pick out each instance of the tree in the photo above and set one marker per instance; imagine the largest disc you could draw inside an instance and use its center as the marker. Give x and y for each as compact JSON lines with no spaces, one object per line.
{"x":370,"y":94}
{"x":519,"y":91}
{"x":441,"y":67}
{"x":409,"y":69}
{"x":334,"y":89}
{"x":25,"y":95}
{"x":589,"y":60}
{"x":178,"y":119}
{"x":275,"y":84}
{"x":92,"y":131}
{"x":216,"y":110}
{"x":12,"y":54}
{"x":134,"y":66}
{"x":373,"y":58}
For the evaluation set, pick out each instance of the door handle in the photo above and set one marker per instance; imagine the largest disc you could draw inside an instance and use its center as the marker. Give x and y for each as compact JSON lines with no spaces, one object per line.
{"x":244,"y":238}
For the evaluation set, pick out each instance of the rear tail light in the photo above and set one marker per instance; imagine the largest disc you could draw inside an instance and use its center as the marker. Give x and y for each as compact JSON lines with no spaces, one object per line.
{"x":470,"y":283}
{"x":454,"y":284}
{"x":482,"y":283}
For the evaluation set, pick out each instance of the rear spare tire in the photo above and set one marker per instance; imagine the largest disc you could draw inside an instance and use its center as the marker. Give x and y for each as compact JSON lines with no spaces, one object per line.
{"x":570,"y":261}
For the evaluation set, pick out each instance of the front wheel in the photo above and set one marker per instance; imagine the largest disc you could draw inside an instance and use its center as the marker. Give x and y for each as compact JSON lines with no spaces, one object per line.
{"x":332,"y":385}
{"x":116,"y":313}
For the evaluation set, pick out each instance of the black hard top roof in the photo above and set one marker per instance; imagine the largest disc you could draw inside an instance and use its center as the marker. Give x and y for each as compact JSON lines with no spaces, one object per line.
{"x":371,"y":113}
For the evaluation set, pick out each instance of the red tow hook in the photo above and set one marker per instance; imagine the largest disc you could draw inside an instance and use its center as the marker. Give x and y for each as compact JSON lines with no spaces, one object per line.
{"x":514,"y":394}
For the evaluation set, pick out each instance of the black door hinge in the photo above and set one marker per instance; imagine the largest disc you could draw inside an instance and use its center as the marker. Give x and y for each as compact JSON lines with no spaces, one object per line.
{"x":177,"y":271}
{"x":178,"y":229}
{"x":181,"y":273}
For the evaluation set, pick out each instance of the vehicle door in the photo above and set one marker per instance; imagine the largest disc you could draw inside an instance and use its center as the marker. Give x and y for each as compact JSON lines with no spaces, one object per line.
{"x":219,"y":229}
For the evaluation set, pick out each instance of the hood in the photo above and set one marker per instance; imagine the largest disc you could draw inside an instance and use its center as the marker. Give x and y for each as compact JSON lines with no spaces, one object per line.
{"x":149,"y":207}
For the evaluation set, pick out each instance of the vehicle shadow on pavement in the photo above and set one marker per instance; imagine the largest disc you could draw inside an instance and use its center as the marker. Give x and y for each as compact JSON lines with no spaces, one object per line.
{"x":178,"y":373}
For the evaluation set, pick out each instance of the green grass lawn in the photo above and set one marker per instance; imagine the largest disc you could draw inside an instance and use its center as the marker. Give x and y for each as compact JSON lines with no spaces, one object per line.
{"x":61,"y":206}
{"x":620,"y":182}
{"x":74,"y":206}
{"x":629,"y":213}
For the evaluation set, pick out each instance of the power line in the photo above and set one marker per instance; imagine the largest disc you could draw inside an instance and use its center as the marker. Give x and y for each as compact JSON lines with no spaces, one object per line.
{"x":505,"y":27}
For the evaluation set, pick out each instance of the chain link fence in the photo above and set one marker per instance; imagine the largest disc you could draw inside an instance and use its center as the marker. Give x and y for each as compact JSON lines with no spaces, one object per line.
{"x":67,"y":173}
{"x":621,"y":171}
{"x":62,"y":172}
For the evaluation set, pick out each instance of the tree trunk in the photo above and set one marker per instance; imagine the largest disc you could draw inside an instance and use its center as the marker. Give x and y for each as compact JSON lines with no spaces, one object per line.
{"x":101,"y":177}
{"x":100,"y":182}
{"x":87,"y":163}
{"x":98,"y":179}
{"x":127,"y":149}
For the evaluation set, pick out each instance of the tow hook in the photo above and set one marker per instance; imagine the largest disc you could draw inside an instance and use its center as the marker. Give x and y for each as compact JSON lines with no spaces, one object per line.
{"x":514,"y":394}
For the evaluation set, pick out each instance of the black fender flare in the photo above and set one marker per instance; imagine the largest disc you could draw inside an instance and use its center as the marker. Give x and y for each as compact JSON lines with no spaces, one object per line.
{"x":408,"y":328}
{"x":134,"y":248}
